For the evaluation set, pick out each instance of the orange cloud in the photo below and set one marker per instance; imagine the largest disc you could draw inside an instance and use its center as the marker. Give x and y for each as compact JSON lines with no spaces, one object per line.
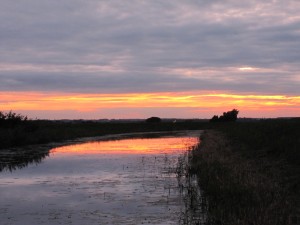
{"x":90,"y":102}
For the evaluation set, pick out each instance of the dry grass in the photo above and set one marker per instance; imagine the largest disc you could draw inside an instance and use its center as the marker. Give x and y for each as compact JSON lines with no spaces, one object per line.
{"x":240,"y":189}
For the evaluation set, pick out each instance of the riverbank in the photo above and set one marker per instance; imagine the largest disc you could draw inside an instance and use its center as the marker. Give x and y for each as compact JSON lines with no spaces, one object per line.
{"x":249,"y":172}
{"x":43,"y":132}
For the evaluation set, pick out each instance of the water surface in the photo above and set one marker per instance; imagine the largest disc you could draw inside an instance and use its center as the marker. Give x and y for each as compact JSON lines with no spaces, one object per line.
{"x":126,"y":181}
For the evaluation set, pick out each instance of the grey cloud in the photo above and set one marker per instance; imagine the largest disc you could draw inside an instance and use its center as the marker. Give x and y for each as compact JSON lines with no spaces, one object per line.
{"x":269,"y":83}
{"x":140,"y":37}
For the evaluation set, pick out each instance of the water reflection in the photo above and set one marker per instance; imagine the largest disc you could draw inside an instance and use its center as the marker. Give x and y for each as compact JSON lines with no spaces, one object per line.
{"x":130,"y":181}
{"x":11,"y":159}
{"x":129,"y":146}
{"x":143,"y":143}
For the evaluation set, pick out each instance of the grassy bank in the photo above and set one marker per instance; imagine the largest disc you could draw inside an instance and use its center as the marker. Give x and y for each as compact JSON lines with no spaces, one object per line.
{"x":249,"y":172}
{"x":40,"y":132}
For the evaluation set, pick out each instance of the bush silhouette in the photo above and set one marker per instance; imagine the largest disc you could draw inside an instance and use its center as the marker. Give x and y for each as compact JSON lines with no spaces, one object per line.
{"x":226,"y":117}
{"x":11,"y":119}
{"x":153,"y":120}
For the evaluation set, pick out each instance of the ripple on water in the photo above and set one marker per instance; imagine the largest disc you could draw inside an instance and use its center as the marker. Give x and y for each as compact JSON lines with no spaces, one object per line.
{"x":84,"y":186}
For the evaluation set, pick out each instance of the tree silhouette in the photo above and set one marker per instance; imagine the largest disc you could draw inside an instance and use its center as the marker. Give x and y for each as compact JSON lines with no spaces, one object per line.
{"x":215,"y":118}
{"x":226,"y":117}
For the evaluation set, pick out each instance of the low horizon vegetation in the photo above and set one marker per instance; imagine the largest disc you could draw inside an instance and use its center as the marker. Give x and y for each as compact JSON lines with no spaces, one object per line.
{"x":16,"y":130}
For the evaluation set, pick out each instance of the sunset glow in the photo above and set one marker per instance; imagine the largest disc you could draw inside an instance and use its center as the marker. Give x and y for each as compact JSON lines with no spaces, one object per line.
{"x":246,"y":68}
{"x":123,"y":59}
{"x":36,"y":101}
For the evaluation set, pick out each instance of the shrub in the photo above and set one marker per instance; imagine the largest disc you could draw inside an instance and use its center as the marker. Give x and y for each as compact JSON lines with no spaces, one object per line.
{"x":153,"y":120}
{"x":11,"y":119}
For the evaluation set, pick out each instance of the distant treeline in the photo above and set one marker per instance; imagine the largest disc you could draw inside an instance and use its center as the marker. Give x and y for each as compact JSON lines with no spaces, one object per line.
{"x":17,"y":130}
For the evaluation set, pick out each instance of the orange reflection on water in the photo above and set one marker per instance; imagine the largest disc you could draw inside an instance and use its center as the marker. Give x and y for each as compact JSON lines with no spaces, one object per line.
{"x":131,"y":146}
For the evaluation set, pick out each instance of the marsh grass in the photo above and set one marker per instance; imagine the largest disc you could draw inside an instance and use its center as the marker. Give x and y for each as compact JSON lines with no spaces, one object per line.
{"x":194,"y":212}
{"x":249,"y":172}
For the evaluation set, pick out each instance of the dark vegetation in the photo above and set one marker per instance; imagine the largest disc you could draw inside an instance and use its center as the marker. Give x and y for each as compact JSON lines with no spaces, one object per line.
{"x":17,"y":130}
{"x":249,"y":172}
{"x":153,"y":119}
{"x":11,"y":119}
{"x":229,"y":116}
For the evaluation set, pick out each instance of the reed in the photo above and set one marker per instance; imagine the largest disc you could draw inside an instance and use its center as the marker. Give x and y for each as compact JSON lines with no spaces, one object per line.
{"x":249,"y":172}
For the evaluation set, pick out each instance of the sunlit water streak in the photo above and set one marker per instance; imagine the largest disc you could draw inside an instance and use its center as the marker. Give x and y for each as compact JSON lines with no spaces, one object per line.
{"x":129,"y":181}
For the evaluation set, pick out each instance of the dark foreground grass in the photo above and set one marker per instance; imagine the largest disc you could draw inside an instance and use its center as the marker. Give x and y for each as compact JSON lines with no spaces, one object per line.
{"x":249,"y":172}
{"x":41,"y":132}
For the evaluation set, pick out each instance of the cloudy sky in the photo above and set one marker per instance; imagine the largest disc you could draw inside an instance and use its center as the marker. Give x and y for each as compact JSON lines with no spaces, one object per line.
{"x":139,"y":58}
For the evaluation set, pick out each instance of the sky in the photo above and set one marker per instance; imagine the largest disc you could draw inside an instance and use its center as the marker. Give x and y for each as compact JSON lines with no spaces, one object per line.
{"x":93,"y":59}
